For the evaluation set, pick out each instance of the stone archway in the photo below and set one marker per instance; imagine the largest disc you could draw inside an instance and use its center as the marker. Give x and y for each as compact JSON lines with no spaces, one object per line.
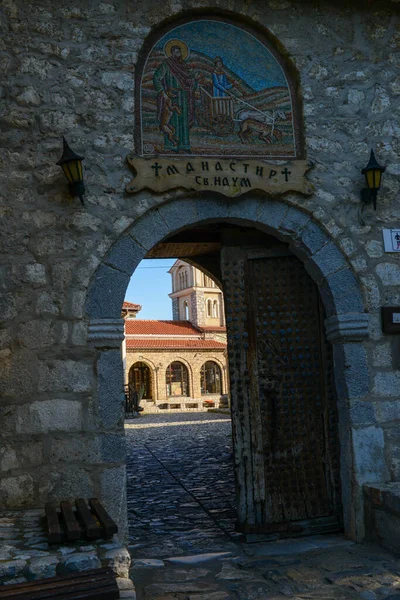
{"x":346,"y":323}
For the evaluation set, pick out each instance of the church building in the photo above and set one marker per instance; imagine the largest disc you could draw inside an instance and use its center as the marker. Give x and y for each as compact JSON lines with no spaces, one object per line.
{"x":179,"y":364}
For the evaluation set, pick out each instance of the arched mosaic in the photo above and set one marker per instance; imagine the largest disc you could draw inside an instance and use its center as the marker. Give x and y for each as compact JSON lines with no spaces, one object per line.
{"x":211,"y":87}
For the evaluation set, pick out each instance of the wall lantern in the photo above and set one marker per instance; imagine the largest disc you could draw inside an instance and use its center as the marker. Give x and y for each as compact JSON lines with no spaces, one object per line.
{"x":71,"y":164}
{"x":373,"y":175}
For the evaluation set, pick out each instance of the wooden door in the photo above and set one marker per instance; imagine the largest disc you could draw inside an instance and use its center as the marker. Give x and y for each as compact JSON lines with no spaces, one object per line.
{"x":283,"y":402}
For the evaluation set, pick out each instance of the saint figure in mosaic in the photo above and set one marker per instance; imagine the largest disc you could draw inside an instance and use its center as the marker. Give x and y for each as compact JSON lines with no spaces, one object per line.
{"x":175,"y":86}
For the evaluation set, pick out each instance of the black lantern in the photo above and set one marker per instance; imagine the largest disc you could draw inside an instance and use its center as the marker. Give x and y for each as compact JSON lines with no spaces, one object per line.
{"x":373,"y":175}
{"x":71,"y":164}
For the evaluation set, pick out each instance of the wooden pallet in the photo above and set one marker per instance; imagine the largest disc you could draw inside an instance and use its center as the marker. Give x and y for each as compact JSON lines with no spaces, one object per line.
{"x":98,"y":584}
{"x":86,"y":522}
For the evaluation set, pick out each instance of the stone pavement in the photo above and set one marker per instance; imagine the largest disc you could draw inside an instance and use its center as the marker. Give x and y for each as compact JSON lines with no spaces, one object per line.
{"x":183,"y":545}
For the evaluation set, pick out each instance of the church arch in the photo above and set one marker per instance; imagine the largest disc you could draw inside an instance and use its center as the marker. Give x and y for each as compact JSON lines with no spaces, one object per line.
{"x":177,"y":379}
{"x":162,"y":74}
{"x":346,"y":321}
{"x":210,"y":378}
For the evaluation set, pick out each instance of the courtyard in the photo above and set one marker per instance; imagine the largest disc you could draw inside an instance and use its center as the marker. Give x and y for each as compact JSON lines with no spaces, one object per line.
{"x":181,"y":504}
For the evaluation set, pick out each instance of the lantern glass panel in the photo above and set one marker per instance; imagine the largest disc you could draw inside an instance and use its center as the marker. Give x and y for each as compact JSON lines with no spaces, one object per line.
{"x":373,"y":178}
{"x":73,"y":171}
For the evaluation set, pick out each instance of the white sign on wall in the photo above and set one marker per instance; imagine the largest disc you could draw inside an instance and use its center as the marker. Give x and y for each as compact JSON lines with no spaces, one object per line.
{"x":391,"y":240}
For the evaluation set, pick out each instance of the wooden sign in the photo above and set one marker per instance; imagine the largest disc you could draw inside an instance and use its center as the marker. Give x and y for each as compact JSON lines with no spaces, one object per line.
{"x":231,"y":177}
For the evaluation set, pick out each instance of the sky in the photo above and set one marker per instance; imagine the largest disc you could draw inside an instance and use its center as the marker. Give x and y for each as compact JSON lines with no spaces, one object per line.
{"x":149,"y":286}
{"x":241,"y":52}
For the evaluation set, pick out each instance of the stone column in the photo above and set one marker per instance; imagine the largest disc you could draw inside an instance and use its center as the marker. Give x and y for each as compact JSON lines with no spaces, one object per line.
{"x":106,"y":336}
{"x":361,"y":440}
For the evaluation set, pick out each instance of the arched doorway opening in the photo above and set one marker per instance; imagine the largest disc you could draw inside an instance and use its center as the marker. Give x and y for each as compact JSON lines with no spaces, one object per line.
{"x":140,"y":380}
{"x":211,"y":378}
{"x":345,"y":321}
{"x":177,"y":379}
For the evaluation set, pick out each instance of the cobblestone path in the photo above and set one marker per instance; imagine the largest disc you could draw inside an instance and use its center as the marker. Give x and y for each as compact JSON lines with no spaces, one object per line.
{"x":182,"y":541}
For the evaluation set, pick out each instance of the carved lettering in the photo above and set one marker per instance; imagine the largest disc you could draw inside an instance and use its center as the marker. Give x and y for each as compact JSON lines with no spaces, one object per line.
{"x":189,"y":168}
{"x":232,"y":166}
{"x":245,"y":182}
{"x":172,"y":170}
{"x":286,"y":173}
{"x":272,"y":173}
{"x":204,"y":166}
{"x":217,"y":180}
{"x":198,"y":179}
{"x":246,"y":166}
{"x":259,"y":171}
{"x":225,"y":181}
{"x":218,"y":166}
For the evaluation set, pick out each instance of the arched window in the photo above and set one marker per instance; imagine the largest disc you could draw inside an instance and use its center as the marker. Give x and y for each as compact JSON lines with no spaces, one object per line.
{"x":210,"y":378}
{"x":209,"y":307}
{"x":215,"y":309}
{"x":177,"y":379}
{"x":186,"y":311}
{"x":140,"y":380}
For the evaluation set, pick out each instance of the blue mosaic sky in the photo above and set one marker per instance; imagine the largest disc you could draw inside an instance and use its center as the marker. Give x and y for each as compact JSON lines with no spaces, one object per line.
{"x":241,"y":52}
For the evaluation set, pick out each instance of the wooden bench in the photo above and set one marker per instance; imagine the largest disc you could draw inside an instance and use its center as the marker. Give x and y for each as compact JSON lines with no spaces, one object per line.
{"x":86,"y":522}
{"x":98,"y":584}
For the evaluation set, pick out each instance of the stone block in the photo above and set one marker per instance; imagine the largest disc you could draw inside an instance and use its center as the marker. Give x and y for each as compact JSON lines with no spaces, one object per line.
{"x":75,"y":448}
{"x":150,"y":229}
{"x":382,"y":355}
{"x":119,"y":560}
{"x":179,"y":213}
{"x":362,"y":413}
{"x":68,"y":482}
{"x":113,"y":448}
{"x":43,"y":567}
{"x":387,"y":411}
{"x":212,"y":209}
{"x":272,"y":214}
{"x":110,"y":389}
{"x":65,"y":376}
{"x":313,"y":238}
{"x":341,"y":294}
{"x":107,"y":293}
{"x":387,"y":383}
{"x":351,"y":370}
{"x":125,"y":255}
{"x":369,"y":459}
{"x":389,"y":273}
{"x":79,"y":561}
{"x":16,"y":492}
{"x":324,"y":262}
{"x":347,"y":328}
{"x":113,"y":496}
{"x":294,"y":222}
{"x":245,"y":208}
{"x":35,"y":334}
{"x":49,"y":415}
{"x":12,"y":569}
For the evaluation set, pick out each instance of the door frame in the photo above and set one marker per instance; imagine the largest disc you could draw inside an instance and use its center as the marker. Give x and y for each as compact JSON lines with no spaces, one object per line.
{"x":346,"y":323}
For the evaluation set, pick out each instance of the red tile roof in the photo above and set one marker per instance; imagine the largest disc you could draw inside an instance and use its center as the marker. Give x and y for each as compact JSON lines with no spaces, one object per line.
{"x":131,"y":306}
{"x":144,"y":327}
{"x":171,"y":343}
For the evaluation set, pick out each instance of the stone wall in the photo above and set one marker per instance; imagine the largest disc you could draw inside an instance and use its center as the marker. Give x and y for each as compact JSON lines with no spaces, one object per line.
{"x":70,"y":71}
{"x":158,"y":362}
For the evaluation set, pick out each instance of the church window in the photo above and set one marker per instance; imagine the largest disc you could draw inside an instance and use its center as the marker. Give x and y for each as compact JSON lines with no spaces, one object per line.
{"x":215,"y":309}
{"x":140,"y":380}
{"x":177,"y":379}
{"x":186,"y":311}
{"x":210,"y":378}
{"x":209,"y":307}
